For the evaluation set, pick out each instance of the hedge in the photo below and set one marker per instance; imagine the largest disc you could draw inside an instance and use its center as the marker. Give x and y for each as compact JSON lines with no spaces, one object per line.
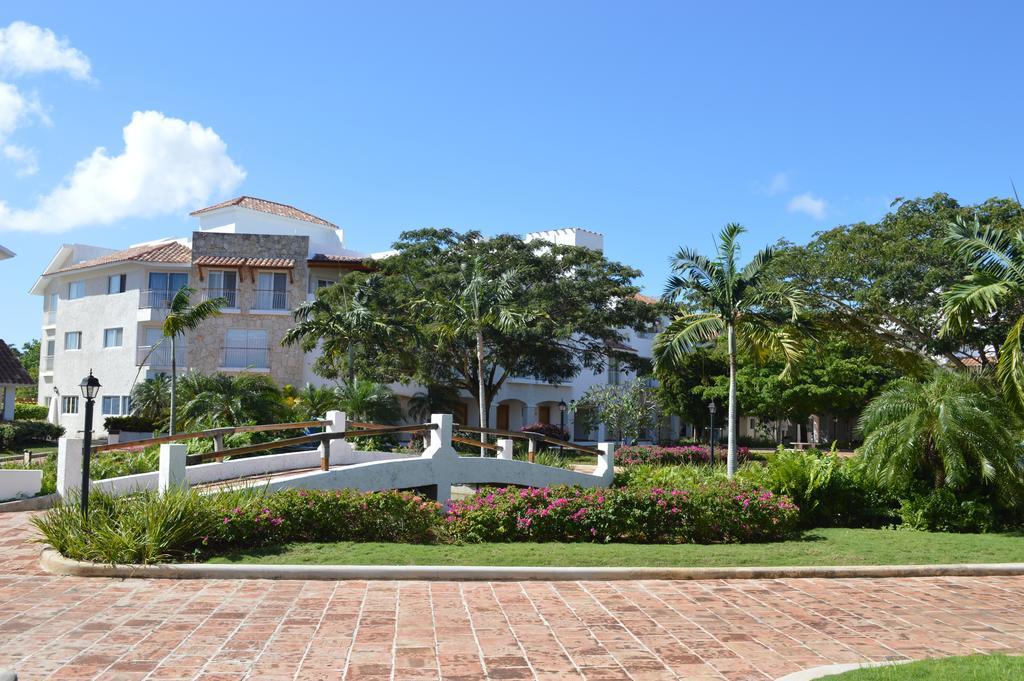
{"x":24,"y":433}
{"x":30,"y":411}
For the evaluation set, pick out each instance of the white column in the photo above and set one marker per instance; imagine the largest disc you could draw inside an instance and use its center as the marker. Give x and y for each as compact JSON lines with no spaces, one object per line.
{"x":444,"y":457}
{"x":505,"y":449}
{"x":9,"y":393}
{"x":172,"y":467}
{"x":69,"y":465}
{"x":341,"y":450}
{"x":606,"y":462}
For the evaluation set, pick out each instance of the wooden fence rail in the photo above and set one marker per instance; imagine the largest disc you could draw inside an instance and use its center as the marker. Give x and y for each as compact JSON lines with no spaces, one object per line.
{"x":212,"y":432}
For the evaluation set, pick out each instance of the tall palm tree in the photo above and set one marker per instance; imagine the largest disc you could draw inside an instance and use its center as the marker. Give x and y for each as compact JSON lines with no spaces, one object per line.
{"x":337,"y":320}
{"x":997,"y":257}
{"x":486,"y":302}
{"x":183,"y":316}
{"x":951,"y":430}
{"x":752,"y":310}
{"x":219,"y":400}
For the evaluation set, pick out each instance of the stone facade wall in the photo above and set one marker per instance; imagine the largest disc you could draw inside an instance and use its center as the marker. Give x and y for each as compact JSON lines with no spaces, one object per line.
{"x":207,"y":343}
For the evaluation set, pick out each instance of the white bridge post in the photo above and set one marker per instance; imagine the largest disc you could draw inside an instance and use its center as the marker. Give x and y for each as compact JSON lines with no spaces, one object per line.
{"x":505,"y":449}
{"x":172,"y":467}
{"x":443,"y":456}
{"x":606,"y":463}
{"x":69,"y":465}
{"x":337,"y":451}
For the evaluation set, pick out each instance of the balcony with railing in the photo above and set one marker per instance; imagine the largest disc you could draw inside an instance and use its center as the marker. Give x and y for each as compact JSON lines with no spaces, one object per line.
{"x":155,"y":298}
{"x":228,"y":294}
{"x":245,"y":358}
{"x":160,"y":355}
{"x":48,"y":363}
{"x":49,"y":317}
{"x":270,"y":300}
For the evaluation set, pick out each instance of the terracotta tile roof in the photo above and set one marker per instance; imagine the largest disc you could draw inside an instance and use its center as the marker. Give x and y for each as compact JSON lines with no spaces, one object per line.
{"x":172,"y":252}
{"x":11,"y":371}
{"x":227,"y":261}
{"x":621,"y":347}
{"x":325,"y":257}
{"x":264,"y":206}
{"x":646,"y":299}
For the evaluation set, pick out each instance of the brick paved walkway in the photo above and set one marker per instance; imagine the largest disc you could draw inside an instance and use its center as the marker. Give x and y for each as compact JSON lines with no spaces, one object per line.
{"x":73,"y":628}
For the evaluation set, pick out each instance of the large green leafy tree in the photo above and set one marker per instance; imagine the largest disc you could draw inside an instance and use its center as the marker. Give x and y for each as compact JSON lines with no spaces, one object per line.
{"x":950,"y":430}
{"x":993,"y":291}
{"x":579,"y":303}
{"x":719,"y":297}
{"x":682,"y":384}
{"x":28,"y":357}
{"x":883,"y":281}
{"x":182,"y":317}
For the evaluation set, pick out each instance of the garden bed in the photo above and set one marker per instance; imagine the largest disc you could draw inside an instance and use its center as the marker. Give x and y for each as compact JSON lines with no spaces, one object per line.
{"x":972,"y":667}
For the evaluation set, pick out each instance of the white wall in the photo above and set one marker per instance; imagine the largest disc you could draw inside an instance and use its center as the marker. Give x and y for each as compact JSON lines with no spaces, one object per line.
{"x":15,"y":484}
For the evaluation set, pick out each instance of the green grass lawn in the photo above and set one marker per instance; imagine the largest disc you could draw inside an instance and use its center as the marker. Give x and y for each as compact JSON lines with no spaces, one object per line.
{"x":816,"y":547}
{"x":971,"y":668}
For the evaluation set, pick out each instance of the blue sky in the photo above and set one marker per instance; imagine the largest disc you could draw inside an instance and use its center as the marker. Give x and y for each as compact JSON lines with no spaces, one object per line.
{"x":654,"y":123}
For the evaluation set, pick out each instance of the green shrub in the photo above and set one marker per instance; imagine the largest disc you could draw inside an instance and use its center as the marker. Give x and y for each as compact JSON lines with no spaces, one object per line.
{"x":115,"y":464}
{"x":941,"y":511}
{"x":722,"y":511}
{"x":29,"y":411}
{"x":134,"y":424}
{"x":545,"y":457}
{"x":830,"y":491}
{"x":24,"y":433}
{"x":185,"y":523}
{"x":654,"y":476}
{"x":669,"y":456}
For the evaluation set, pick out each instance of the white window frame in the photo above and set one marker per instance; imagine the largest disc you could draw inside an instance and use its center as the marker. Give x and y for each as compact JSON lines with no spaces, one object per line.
{"x":120,"y":337}
{"x":231,"y":350}
{"x":69,"y":404}
{"x":221,"y":289}
{"x":72,"y":334}
{"x":121,"y":285}
{"x":76,"y":286}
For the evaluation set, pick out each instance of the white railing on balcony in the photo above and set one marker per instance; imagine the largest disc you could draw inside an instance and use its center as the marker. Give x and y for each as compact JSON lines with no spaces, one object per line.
{"x":155,"y":298}
{"x":50,"y":317}
{"x":159,"y":355}
{"x":245,"y":358}
{"x":48,"y":363}
{"x":229,"y":294}
{"x":270,"y":300}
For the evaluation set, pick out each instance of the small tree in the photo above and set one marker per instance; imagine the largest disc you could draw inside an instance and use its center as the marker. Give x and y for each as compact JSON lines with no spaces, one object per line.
{"x":627,"y":411}
{"x":183,"y":316}
{"x":151,"y":399}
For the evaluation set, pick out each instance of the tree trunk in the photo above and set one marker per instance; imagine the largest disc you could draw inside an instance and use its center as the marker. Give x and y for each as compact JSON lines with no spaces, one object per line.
{"x":351,"y":363}
{"x":480,"y":387}
{"x":733,"y":416}
{"x":174,"y":386}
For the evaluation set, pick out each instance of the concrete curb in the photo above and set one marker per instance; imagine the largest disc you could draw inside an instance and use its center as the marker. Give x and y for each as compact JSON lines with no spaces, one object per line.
{"x":54,"y":563}
{"x":38,"y":503}
{"x":831,"y":669}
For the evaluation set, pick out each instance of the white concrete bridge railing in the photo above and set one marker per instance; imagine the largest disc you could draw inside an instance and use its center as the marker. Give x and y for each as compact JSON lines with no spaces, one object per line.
{"x":437,"y":468}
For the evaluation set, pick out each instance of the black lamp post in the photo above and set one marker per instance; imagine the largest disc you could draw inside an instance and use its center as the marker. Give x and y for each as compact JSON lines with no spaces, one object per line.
{"x":561,"y":419}
{"x":90,"y":387}
{"x":711,"y":439}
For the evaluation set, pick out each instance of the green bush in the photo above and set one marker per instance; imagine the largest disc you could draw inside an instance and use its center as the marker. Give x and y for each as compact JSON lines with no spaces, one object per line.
{"x":830,"y":491}
{"x":185,"y":523}
{"x":721,"y":511}
{"x":653,"y":476}
{"x":24,"y":433}
{"x":29,"y":411}
{"x":134,"y":424}
{"x":941,"y":511}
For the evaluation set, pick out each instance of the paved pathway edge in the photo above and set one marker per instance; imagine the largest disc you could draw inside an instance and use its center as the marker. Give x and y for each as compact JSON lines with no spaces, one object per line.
{"x":54,"y":563}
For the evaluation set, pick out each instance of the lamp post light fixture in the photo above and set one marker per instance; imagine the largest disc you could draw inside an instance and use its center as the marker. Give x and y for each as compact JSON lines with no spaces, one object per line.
{"x":712,"y":408}
{"x":561,"y":420}
{"x":90,"y":387}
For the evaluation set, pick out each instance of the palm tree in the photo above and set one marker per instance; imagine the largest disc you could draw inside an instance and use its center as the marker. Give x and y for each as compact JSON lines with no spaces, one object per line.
{"x":752,"y":310}
{"x":182,"y":316}
{"x":951,"y":430}
{"x":997,"y":257}
{"x":368,"y":401}
{"x":313,"y":402}
{"x":152,"y":398}
{"x":486,"y":302}
{"x":220,"y":400}
{"x":337,"y":321}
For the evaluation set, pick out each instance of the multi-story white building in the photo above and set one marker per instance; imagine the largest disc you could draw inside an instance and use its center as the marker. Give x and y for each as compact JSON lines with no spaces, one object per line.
{"x":103,"y":308}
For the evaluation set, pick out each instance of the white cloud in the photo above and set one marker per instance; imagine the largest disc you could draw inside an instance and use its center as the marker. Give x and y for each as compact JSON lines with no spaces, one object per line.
{"x":779,"y":184}
{"x":167,"y":165}
{"x":28,"y":162}
{"x":26,"y":48}
{"x":807,"y":203}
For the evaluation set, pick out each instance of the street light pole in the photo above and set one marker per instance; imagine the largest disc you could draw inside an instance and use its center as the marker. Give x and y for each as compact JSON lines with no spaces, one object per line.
{"x":90,"y":387}
{"x":711,"y":438}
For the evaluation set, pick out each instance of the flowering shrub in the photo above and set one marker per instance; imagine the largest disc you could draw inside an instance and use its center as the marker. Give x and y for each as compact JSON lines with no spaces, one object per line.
{"x":548,"y":429}
{"x":714,"y":512}
{"x":327,"y":515}
{"x":665,"y":456}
